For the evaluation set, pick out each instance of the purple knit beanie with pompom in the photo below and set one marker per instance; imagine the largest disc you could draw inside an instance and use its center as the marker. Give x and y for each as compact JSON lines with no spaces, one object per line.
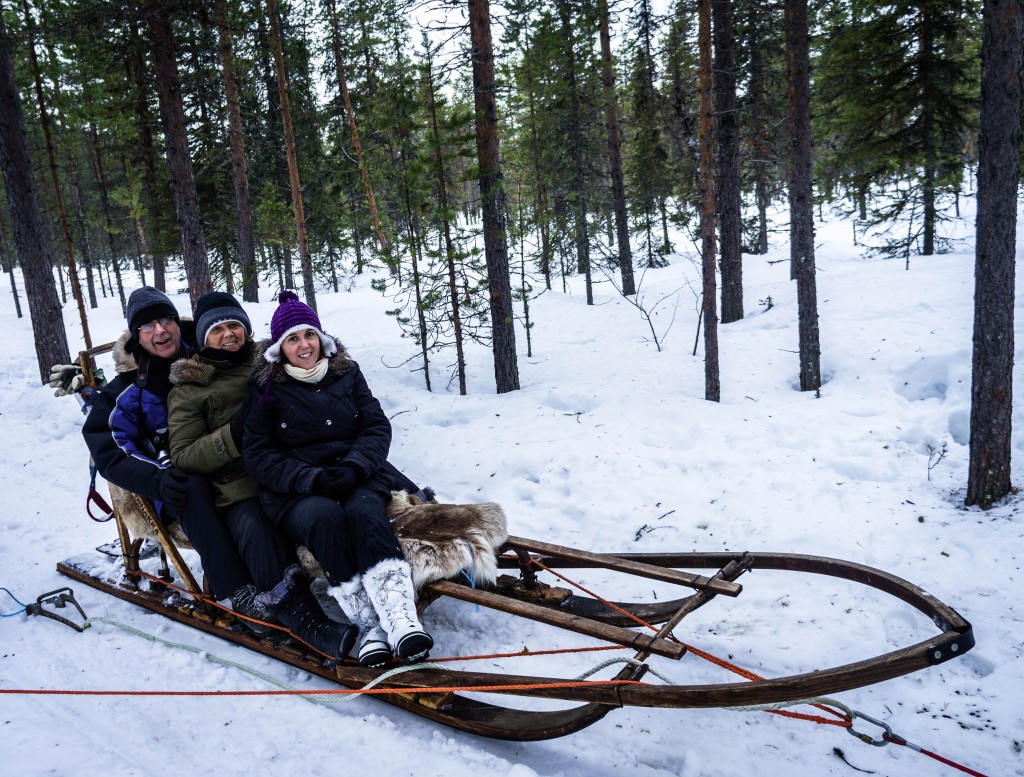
{"x":294,"y":315}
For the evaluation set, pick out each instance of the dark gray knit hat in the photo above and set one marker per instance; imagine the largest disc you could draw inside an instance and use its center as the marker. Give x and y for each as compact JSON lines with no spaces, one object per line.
{"x":214,"y":308}
{"x":148,"y":304}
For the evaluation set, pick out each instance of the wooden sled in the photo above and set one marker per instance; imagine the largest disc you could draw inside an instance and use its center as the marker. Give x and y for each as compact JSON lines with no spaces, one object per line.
{"x":526,"y":595}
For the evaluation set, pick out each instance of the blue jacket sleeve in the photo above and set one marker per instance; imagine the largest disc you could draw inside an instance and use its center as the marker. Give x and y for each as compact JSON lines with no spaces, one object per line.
{"x":114,"y":431}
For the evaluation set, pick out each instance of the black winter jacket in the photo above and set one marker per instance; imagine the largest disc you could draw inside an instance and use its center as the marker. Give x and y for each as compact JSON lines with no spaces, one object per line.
{"x":127,"y":421}
{"x":310,"y":426}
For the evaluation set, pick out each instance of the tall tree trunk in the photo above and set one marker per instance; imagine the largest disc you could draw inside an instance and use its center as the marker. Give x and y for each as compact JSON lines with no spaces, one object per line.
{"x":47,"y":322}
{"x":135,"y":67}
{"x":761,"y":143}
{"x":492,"y":196}
{"x":51,"y":153}
{"x":927,"y":44}
{"x":8,"y":264}
{"x":186,"y":200}
{"x":309,"y":287}
{"x":83,"y":233}
{"x":615,"y":154}
{"x":727,"y":182}
{"x":709,"y":308}
{"x":239,"y":171}
{"x":339,"y":67}
{"x":576,"y":151}
{"x":448,"y":249}
{"x":101,"y":182}
{"x":988,"y":476}
{"x":801,"y":202}
{"x":543,"y":217}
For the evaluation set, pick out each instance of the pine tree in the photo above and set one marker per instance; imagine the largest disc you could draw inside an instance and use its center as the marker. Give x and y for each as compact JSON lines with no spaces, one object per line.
{"x":896,"y":108}
{"x":47,"y":323}
{"x":995,"y":253}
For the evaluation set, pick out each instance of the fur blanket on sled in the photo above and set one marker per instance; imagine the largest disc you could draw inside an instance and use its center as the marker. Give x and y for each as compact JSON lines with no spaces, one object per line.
{"x":439,"y":541}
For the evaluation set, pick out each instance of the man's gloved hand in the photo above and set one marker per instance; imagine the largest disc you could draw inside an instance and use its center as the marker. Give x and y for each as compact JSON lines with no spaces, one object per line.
{"x":336,"y":482}
{"x":66,"y":379}
{"x":173,"y":488}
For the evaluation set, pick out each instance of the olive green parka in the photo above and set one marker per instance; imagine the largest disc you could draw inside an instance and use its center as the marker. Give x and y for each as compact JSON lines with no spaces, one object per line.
{"x":205,"y":394}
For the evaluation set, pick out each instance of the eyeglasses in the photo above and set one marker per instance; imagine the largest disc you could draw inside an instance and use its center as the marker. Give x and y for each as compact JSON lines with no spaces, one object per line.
{"x":164,"y":322}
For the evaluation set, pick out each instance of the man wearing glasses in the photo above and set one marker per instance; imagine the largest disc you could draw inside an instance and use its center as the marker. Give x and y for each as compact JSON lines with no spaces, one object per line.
{"x":126,"y":432}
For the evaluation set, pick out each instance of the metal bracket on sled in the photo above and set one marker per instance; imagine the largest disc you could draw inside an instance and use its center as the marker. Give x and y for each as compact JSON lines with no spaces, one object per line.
{"x":58,"y":599}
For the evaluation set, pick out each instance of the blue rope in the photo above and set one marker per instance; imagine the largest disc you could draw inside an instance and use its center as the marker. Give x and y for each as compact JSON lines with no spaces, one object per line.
{"x":16,"y":612}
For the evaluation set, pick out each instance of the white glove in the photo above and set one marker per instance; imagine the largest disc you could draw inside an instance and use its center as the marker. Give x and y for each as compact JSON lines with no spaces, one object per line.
{"x":67,"y":379}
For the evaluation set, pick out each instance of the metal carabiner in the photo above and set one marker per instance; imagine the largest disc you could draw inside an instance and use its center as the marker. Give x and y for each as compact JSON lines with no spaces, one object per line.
{"x":864,"y":737}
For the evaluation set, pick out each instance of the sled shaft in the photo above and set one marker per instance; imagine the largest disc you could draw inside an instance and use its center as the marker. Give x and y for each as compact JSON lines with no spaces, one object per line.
{"x":620,"y":636}
{"x":639,"y":568}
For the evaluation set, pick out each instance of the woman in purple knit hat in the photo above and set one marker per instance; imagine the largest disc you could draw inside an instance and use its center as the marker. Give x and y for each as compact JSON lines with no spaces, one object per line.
{"x":316,"y":441}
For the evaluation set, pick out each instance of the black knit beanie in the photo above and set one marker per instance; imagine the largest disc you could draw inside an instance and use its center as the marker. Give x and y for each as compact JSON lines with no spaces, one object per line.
{"x":214,"y":308}
{"x":148,"y":304}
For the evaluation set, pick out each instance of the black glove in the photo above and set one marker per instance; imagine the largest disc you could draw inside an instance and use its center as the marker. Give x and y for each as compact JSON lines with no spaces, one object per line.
{"x":337,"y":482}
{"x":173,"y":488}
{"x":238,"y":424}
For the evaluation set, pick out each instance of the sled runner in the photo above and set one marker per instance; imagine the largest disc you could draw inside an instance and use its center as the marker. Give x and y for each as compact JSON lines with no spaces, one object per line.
{"x":526,"y":595}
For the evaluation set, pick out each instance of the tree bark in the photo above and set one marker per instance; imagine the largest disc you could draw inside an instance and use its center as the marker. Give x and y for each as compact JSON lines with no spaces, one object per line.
{"x":339,"y":66}
{"x":801,"y":203}
{"x":998,"y":176}
{"x":101,"y":182}
{"x":492,"y":196}
{"x":709,"y":312}
{"x":8,"y":265}
{"x":727,"y":183}
{"x":576,"y":151}
{"x":51,"y":154}
{"x":47,"y":322}
{"x":135,"y":67}
{"x":309,"y":287}
{"x":183,"y":184}
{"x":239,"y":166}
{"x":615,"y":155}
{"x":447,"y":248}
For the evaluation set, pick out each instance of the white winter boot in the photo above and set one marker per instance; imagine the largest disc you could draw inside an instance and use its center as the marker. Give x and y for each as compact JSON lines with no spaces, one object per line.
{"x":373,"y":646}
{"x":389,"y":585}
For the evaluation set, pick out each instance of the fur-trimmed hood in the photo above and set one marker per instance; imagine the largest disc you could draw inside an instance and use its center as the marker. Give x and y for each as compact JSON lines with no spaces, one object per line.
{"x":264,"y":371}
{"x":123,"y":353}
{"x":200,"y":370}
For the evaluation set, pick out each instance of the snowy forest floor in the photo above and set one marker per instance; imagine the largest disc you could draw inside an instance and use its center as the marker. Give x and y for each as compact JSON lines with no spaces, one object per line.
{"x":609,"y":446}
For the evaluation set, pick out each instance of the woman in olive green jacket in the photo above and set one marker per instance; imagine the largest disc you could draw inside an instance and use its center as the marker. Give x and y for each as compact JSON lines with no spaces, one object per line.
{"x":205,"y":415}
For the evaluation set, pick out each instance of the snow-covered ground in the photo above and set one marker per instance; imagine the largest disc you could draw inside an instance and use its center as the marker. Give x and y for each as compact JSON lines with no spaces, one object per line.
{"x":609,"y":446}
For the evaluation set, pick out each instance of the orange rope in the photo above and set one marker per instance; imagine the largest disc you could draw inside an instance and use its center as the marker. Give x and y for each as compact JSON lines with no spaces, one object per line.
{"x":844,"y":719}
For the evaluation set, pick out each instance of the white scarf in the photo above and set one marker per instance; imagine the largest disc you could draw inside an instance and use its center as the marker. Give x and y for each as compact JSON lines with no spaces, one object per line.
{"x":313,"y":375}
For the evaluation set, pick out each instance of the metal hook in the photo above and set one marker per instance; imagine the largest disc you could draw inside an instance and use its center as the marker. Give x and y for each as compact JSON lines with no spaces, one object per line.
{"x":58,"y":599}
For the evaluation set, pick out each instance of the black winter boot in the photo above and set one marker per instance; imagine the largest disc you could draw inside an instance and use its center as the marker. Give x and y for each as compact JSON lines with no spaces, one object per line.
{"x":303,"y":617}
{"x":245,"y":602}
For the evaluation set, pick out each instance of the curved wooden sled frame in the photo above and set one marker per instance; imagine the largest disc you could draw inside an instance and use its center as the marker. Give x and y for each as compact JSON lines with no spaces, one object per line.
{"x":414,"y":689}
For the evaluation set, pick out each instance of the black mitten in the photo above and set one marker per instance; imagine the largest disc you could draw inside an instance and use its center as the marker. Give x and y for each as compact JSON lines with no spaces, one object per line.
{"x":336,"y":482}
{"x":173,"y":488}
